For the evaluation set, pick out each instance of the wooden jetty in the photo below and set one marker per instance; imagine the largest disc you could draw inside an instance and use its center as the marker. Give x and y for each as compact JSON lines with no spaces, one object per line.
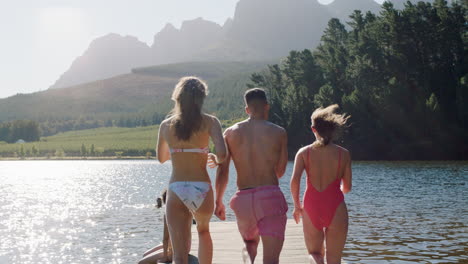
{"x":227,"y":244}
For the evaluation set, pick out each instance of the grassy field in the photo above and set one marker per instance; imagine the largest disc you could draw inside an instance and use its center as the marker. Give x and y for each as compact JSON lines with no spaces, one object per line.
{"x":108,"y":141}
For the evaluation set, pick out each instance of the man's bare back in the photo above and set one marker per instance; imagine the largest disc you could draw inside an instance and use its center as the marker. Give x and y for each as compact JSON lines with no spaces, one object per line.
{"x":258,"y":149}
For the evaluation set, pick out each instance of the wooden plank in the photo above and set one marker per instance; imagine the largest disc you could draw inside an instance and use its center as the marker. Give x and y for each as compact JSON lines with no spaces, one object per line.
{"x":227,"y":244}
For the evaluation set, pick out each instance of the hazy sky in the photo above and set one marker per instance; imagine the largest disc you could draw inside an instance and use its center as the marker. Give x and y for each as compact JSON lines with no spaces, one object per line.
{"x":41,"y":38}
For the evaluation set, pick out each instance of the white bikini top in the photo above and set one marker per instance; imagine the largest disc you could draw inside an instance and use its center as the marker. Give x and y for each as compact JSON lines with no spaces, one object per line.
{"x":205,"y":150}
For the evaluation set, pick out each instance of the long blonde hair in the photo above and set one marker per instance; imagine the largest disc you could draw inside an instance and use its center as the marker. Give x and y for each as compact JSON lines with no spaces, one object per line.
{"x":327,"y":123}
{"x":188,"y":96}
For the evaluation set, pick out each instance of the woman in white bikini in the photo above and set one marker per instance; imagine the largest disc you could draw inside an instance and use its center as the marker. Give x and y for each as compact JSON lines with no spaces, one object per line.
{"x":183,"y":138}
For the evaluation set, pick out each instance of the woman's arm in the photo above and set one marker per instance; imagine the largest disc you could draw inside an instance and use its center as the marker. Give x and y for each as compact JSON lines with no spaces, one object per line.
{"x":162,"y":149}
{"x":216,"y":134}
{"x":347,"y":177}
{"x":295,"y":184}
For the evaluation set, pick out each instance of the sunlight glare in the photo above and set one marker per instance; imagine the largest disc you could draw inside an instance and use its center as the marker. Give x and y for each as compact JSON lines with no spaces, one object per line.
{"x":61,"y":35}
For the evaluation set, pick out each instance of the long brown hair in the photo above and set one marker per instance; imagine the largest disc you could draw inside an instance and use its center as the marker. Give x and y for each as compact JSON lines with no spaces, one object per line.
{"x":327,"y":123}
{"x":189,"y":94}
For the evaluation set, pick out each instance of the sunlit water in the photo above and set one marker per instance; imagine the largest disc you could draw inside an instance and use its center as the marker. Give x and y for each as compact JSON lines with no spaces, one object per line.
{"x":103,"y":211}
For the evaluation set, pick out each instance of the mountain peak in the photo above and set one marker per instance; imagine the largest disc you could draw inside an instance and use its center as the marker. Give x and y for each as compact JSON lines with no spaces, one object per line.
{"x":341,"y":9}
{"x":106,"y":57}
{"x":199,"y":24}
{"x":259,"y":30}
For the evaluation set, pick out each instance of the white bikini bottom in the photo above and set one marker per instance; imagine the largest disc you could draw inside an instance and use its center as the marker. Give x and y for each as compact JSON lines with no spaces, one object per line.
{"x":192,"y":194}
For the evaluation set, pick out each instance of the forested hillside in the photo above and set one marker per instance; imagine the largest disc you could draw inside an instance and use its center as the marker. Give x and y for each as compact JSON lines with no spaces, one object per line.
{"x":401,"y":75}
{"x":140,"y":98}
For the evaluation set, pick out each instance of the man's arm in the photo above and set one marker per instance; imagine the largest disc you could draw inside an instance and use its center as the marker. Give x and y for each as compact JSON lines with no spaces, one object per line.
{"x":280,"y":167}
{"x":222,"y":178}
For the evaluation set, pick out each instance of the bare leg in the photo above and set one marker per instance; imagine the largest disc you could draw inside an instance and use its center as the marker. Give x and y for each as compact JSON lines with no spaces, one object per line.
{"x":314,"y":239}
{"x":203,"y":216}
{"x":154,"y":257}
{"x":156,"y":248}
{"x":249,"y":252}
{"x":271,"y":249}
{"x":336,"y":235}
{"x":178,"y":219}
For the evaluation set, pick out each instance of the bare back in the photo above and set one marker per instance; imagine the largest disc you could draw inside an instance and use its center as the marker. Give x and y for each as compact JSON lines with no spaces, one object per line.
{"x":188,"y":166}
{"x":257,"y":148}
{"x":325,"y":165}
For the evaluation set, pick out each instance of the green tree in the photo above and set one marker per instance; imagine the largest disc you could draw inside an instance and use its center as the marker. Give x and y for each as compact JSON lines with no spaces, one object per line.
{"x":83,"y":150}
{"x":402,"y":75}
{"x":34,"y":151}
{"x":22,"y":154}
{"x":60,"y":153}
{"x":92,"y":151}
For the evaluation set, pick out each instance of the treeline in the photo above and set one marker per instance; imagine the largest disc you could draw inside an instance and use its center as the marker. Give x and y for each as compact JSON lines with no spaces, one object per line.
{"x":26,"y":130}
{"x":33,"y":151}
{"x":402,"y":76}
{"x":52,"y":126}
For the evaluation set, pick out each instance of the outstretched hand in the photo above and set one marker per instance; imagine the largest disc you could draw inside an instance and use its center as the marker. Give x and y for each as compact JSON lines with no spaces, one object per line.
{"x":220,"y":211}
{"x":297,"y":213}
{"x":212,"y":163}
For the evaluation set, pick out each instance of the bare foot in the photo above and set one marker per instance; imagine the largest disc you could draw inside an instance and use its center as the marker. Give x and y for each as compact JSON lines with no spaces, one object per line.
{"x":316,"y":259}
{"x":245,"y":256}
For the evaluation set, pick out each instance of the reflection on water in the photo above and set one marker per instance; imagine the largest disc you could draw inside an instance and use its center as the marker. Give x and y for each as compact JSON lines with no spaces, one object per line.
{"x":103,"y":211}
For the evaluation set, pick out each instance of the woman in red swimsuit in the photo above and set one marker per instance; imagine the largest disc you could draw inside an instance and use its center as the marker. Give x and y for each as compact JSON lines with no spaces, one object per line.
{"x":327,"y":166}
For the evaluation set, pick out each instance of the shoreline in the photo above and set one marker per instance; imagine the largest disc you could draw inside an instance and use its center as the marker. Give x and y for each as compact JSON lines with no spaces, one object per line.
{"x":154,"y":158}
{"x":78,"y":158}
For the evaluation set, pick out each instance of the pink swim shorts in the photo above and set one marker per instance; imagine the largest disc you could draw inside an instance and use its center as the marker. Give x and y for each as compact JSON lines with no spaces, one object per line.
{"x":260,"y":211}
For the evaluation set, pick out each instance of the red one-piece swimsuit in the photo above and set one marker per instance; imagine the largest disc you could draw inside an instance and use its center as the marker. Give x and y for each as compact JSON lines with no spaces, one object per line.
{"x":321,"y":206}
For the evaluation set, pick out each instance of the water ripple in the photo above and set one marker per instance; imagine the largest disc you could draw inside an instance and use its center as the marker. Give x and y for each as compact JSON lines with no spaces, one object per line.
{"x":103,"y":211}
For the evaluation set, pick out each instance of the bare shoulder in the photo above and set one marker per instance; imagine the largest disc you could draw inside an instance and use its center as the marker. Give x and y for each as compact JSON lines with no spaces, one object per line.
{"x":236,"y":129}
{"x":232,"y":129}
{"x":302,"y":150}
{"x":344,"y":151}
{"x":276,"y":128}
{"x":165,"y":123}
{"x":211,"y":119}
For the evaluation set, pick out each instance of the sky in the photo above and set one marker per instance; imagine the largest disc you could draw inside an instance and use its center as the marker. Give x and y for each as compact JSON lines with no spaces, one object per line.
{"x":41,"y":38}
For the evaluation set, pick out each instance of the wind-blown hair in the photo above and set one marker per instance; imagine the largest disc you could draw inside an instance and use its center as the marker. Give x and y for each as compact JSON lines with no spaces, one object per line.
{"x":327,"y":123}
{"x":189,"y":94}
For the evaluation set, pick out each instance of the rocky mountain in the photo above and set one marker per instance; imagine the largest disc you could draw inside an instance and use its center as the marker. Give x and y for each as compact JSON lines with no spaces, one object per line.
{"x":172,"y":45}
{"x":106,"y":57}
{"x":401,"y":3}
{"x":271,"y":28}
{"x":259,"y":30}
{"x":343,"y":8}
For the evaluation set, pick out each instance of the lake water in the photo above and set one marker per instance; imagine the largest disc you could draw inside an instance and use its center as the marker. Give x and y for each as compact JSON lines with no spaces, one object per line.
{"x":103,"y":211}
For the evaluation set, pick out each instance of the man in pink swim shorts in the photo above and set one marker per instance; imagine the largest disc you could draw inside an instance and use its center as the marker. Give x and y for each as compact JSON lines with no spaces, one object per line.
{"x":259,"y":151}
